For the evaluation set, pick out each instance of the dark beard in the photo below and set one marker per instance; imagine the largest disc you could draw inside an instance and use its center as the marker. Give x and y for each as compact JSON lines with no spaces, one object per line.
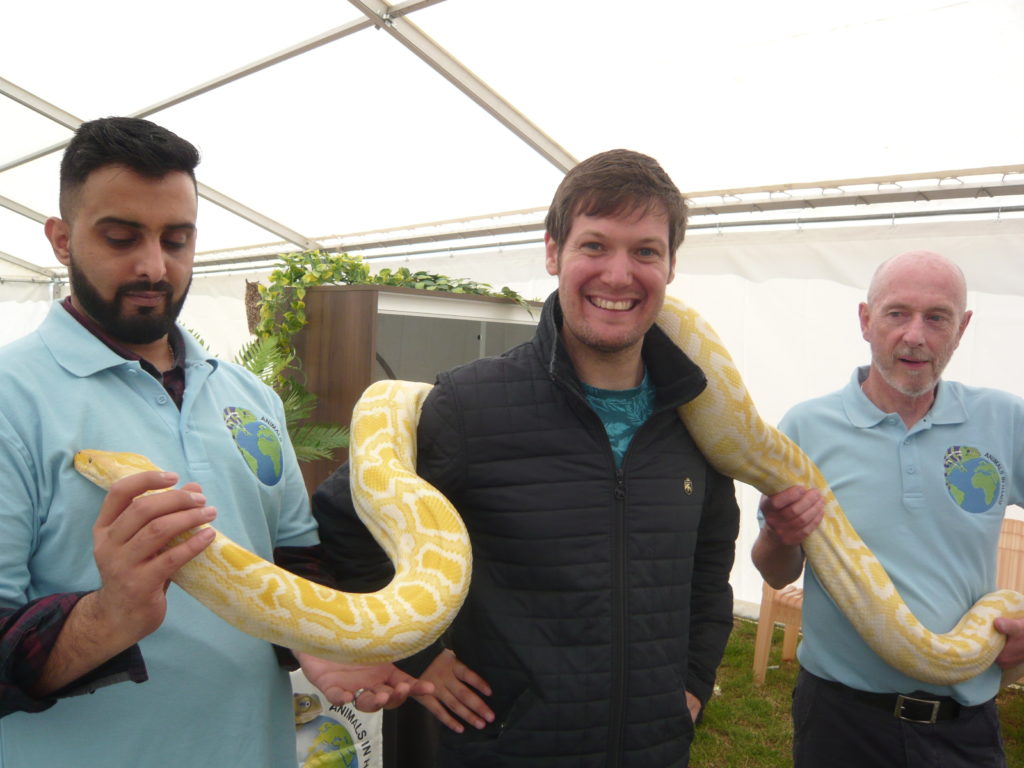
{"x":147,"y":325}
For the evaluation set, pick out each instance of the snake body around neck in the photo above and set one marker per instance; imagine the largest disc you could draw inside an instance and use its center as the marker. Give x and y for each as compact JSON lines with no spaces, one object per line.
{"x":427,"y":542}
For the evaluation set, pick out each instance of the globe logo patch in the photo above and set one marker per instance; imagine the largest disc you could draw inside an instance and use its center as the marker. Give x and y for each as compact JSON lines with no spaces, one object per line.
{"x":974,"y":480}
{"x":258,"y":441}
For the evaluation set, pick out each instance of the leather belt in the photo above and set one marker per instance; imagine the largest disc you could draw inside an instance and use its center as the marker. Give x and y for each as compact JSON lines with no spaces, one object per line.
{"x":916,"y":707}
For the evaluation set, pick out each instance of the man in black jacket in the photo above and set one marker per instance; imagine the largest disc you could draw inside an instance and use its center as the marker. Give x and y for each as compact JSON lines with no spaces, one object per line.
{"x":602,"y":539}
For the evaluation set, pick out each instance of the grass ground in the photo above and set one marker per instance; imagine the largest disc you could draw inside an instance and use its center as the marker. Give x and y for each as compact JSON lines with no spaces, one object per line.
{"x":748,"y":726}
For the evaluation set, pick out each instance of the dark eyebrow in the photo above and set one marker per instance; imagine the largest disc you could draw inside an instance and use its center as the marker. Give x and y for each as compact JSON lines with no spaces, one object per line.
{"x":122,"y":222}
{"x":136,"y":225}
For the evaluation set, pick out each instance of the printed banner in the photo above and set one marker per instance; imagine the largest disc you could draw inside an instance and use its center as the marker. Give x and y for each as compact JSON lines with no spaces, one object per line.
{"x":329,"y":736}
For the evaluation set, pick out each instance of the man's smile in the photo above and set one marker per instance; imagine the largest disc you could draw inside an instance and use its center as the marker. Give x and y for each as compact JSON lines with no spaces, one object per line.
{"x":616,"y":305}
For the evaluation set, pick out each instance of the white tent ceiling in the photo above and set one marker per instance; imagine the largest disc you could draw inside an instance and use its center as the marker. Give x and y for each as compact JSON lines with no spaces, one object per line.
{"x":342,"y":123}
{"x":331,"y":125}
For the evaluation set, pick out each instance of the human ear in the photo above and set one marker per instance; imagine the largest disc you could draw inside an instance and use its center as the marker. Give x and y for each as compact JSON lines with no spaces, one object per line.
{"x":59,"y":235}
{"x":963,"y":325}
{"x":550,"y":255}
{"x":864,"y":313}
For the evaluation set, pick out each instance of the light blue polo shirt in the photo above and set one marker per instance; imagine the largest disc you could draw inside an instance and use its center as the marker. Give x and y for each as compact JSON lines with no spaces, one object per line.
{"x":928,"y":501}
{"x":215,"y":696}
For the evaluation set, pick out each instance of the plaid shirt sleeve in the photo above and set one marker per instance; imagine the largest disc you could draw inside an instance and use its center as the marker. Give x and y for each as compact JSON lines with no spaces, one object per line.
{"x":28,"y":634}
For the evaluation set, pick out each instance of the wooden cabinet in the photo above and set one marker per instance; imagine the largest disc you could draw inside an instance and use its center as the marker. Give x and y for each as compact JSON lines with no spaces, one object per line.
{"x":358,"y":334}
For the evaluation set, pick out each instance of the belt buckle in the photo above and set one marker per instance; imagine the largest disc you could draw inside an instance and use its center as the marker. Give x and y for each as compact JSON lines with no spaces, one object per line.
{"x":901,"y":700}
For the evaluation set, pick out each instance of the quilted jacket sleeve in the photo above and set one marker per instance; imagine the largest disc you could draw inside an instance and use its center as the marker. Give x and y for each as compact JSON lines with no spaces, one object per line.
{"x":711,"y":599}
{"x":355,"y":561}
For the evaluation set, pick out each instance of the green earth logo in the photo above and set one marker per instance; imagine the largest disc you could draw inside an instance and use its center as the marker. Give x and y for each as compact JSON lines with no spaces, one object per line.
{"x":973,"y":481}
{"x":331,"y":745}
{"x":258,"y":443}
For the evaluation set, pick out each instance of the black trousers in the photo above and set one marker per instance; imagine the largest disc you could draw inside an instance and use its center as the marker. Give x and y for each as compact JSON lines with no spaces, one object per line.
{"x":837,"y":727}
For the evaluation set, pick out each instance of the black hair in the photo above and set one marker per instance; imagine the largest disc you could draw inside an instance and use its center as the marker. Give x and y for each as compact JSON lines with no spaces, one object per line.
{"x":144,"y":147}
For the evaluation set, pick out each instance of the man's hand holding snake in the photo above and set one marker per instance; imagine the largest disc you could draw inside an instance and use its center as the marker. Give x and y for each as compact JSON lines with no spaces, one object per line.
{"x":368,"y":688}
{"x":1012,"y":654}
{"x":132,"y":544}
{"x":135,"y":559}
{"x":792,"y":514}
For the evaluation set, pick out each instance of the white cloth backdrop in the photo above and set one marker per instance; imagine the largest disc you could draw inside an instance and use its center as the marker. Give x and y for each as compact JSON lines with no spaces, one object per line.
{"x":785,"y":303}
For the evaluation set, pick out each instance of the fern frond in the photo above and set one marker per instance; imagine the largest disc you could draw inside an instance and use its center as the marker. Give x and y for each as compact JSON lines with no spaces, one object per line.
{"x":317,"y":441}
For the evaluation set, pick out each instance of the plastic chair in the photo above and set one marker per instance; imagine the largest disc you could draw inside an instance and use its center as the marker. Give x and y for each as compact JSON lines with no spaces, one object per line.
{"x":783,"y":606}
{"x":1010,"y":562}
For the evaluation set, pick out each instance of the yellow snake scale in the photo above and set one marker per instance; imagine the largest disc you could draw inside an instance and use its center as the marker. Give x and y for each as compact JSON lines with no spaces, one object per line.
{"x":427,"y":543}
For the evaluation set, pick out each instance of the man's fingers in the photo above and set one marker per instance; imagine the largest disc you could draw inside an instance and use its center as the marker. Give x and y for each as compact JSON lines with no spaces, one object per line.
{"x":174,"y":557}
{"x":371,"y":700}
{"x":446,"y":713}
{"x":151,"y":521}
{"x":464,"y":702}
{"x":421,"y":688}
{"x":121,"y":493}
{"x":438,"y":710}
{"x":471,"y":678}
{"x":148,"y":556}
{"x":782,"y":499}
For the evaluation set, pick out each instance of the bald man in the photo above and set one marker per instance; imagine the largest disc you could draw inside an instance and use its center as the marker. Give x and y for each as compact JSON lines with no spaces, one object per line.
{"x":924,"y":469}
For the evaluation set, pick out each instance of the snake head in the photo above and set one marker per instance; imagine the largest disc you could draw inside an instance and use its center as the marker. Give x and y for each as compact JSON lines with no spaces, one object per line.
{"x":104,"y":468}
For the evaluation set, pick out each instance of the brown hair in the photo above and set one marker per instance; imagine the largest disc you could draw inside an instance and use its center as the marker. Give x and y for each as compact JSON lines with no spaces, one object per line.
{"x":615,"y":183}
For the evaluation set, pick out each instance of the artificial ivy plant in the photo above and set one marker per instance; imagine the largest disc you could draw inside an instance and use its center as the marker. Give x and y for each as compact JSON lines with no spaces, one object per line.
{"x":282,"y":314}
{"x":283,"y":300}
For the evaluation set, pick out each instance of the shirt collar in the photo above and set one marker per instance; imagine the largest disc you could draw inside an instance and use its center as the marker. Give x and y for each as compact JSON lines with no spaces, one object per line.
{"x":82,"y":353}
{"x":174,"y":341}
{"x":948,"y":407}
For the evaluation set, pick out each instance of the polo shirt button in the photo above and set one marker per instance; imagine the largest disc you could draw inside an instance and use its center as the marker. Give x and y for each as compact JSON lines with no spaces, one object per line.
{"x":911,"y":470}
{"x":162,"y":399}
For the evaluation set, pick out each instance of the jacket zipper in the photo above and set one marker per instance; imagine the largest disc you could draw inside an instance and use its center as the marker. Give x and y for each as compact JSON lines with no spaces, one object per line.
{"x":616,"y":715}
{"x":619,"y":612}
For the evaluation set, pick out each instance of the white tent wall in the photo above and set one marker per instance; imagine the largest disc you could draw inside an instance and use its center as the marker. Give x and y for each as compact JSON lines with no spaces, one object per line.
{"x":783,"y":301}
{"x":22,"y":307}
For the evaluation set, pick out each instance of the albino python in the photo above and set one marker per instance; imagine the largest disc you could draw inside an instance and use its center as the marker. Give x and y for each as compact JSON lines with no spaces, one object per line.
{"x":416,"y":526}
{"x":428,"y":544}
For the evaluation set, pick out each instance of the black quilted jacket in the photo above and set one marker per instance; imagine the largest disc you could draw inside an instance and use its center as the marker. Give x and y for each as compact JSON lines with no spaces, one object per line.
{"x":598,"y":595}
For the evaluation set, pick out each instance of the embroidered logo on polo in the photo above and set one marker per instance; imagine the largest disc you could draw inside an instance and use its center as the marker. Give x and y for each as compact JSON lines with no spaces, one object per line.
{"x":258,"y":440}
{"x":975,"y":480}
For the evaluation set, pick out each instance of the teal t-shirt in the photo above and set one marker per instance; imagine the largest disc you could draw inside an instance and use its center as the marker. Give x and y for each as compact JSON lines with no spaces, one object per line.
{"x":622,"y":411}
